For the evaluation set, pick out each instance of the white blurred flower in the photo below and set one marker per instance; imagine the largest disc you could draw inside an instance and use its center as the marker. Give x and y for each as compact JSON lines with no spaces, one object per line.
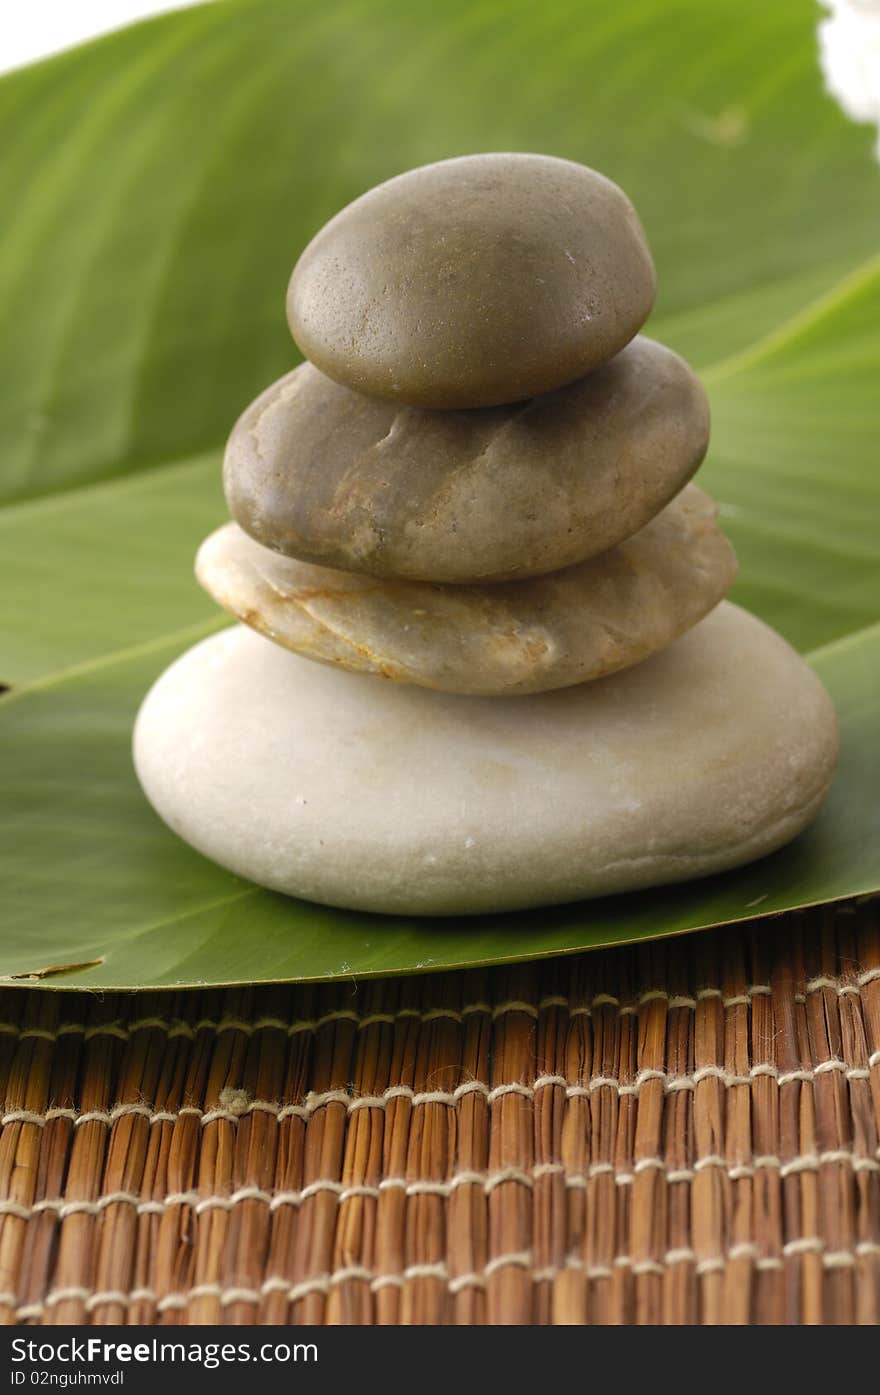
{"x":849,"y":48}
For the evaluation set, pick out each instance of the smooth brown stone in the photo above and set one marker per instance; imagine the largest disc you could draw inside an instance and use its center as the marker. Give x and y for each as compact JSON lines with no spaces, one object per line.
{"x":516,"y":637}
{"x":318,"y":472}
{"x":473,"y":282}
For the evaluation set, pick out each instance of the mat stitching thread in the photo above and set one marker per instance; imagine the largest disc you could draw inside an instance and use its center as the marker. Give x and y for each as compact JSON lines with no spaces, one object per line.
{"x":315,"y":1101}
{"x":488,"y":1181}
{"x":180,"y":1028}
{"x":324,"y":1283}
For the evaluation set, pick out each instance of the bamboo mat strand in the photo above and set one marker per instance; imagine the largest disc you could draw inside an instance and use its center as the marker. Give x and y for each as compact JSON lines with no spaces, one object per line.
{"x":684,"y":1132}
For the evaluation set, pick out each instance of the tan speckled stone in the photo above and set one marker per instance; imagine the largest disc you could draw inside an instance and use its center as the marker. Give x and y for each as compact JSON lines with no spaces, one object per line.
{"x":332,"y":477}
{"x":472,"y":282}
{"x":515,"y":637}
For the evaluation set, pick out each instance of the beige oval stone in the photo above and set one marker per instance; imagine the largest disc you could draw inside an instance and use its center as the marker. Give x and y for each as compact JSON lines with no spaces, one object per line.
{"x":472,"y":282}
{"x":515,"y":637}
{"x":329,"y":786}
{"x":330,"y":476}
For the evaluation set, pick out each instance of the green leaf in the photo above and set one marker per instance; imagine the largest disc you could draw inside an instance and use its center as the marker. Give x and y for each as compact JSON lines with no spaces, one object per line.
{"x":794,"y":464}
{"x":163,"y":181}
{"x":101,"y":884}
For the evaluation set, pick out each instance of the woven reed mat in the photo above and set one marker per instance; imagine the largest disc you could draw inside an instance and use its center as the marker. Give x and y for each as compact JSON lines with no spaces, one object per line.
{"x":682,"y":1132}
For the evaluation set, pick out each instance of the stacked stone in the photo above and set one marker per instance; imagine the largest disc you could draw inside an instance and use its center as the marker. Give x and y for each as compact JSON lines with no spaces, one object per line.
{"x":479,"y":483}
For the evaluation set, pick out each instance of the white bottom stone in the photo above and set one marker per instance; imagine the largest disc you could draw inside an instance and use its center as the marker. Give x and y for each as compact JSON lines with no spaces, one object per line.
{"x":353,"y":791}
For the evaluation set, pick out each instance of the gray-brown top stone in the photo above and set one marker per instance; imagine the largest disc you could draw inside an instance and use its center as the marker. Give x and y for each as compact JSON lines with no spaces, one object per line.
{"x":476,"y":281}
